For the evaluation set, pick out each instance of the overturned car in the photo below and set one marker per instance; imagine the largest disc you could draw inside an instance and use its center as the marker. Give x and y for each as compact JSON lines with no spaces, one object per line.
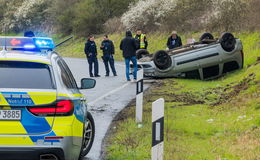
{"x":206,"y":59}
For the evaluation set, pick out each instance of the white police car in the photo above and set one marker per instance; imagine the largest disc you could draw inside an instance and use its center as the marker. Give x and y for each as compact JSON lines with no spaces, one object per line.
{"x":43,"y":115}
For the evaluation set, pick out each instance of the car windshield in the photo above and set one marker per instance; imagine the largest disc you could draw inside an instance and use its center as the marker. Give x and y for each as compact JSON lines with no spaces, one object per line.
{"x":28,"y":75}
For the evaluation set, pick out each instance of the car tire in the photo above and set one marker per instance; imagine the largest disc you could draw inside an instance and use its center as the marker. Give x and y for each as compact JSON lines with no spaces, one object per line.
{"x":141,"y":53}
{"x":88,"y":136}
{"x":162,"y":60}
{"x":227,"y":41}
{"x":206,"y":36}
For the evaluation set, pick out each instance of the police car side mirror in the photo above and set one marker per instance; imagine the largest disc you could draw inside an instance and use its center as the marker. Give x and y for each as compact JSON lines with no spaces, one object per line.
{"x":87,"y":83}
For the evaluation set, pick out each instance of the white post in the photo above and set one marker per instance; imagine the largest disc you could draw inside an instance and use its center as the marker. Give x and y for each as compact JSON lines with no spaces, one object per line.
{"x":139,"y":96}
{"x":157,"y":129}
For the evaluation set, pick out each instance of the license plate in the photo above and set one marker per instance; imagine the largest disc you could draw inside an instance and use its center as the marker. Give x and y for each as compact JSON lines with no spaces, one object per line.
{"x":10,"y":115}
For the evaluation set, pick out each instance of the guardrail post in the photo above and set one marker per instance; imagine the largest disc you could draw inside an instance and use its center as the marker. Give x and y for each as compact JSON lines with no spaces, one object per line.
{"x":139,"y":96}
{"x":157,"y":129}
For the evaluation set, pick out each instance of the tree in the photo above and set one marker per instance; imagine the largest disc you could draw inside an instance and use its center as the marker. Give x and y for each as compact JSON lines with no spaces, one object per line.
{"x":147,"y":14}
{"x":18,"y":16}
{"x":189,"y":15}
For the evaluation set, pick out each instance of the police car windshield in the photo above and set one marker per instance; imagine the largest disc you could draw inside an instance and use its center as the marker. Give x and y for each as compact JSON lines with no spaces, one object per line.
{"x":27,"y":75}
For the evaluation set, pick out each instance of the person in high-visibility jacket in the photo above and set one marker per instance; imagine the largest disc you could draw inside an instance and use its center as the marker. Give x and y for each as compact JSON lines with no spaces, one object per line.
{"x":141,"y":38}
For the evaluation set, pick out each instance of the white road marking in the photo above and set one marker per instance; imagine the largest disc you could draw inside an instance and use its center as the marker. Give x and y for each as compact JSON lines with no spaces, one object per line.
{"x":109,"y":93}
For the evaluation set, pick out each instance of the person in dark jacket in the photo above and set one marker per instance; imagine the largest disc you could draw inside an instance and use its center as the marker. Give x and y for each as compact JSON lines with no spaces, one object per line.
{"x":129,"y":46}
{"x":91,"y":53}
{"x":174,"y":41}
{"x":142,"y":40}
{"x":108,"y":50}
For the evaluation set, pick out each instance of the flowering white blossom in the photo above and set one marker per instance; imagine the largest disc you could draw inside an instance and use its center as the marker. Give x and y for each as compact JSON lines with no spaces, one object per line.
{"x":218,"y":6}
{"x":26,"y":7}
{"x":26,"y":13}
{"x":147,"y":12}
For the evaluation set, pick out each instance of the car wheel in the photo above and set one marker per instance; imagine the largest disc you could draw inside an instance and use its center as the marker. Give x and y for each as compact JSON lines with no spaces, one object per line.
{"x":141,"y":53}
{"x":227,"y":41}
{"x":206,"y":36}
{"x":162,"y":60}
{"x":88,"y":136}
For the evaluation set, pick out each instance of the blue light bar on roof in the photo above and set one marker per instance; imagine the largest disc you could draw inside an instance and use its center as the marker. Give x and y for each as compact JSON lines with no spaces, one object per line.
{"x":27,"y":43}
{"x":44,"y":43}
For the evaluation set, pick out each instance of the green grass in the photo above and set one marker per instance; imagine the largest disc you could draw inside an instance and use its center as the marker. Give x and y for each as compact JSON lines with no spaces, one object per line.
{"x":204,"y":120}
{"x":193,"y":131}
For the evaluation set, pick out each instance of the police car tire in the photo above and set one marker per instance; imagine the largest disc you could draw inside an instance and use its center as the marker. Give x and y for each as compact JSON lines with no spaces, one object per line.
{"x":206,"y":36}
{"x":227,"y":41}
{"x":83,"y":151}
{"x":162,"y":60}
{"x":141,"y":53}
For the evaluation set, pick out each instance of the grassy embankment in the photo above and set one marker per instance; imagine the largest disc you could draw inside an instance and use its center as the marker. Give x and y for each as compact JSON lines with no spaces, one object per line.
{"x":204,"y":120}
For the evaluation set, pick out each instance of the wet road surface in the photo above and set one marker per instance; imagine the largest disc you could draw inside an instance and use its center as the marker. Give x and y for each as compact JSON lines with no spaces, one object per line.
{"x":108,"y":98}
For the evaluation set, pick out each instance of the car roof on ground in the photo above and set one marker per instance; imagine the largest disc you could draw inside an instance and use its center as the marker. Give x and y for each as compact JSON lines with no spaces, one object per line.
{"x":29,"y":56}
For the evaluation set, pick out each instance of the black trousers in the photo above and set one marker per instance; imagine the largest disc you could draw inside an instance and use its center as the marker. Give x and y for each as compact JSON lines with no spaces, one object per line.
{"x":109,"y":60}
{"x":93,"y":61}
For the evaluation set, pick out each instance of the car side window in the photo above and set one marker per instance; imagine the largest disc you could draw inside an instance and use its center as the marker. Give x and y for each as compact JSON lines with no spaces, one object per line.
{"x":71,"y":77}
{"x":64,"y":76}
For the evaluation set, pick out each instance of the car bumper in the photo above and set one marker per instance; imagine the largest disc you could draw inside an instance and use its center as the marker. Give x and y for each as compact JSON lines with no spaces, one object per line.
{"x":31,"y":153}
{"x":63,"y":149}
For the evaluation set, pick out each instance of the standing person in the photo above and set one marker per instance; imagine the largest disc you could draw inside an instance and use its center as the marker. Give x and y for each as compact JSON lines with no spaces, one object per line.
{"x":129,"y":46}
{"x":108,"y":50}
{"x":141,"y":38}
{"x":174,"y":41}
{"x":91,"y":53}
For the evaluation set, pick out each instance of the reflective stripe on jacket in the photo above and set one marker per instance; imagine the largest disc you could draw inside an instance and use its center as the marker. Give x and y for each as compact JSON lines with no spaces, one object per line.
{"x":141,"y":39}
{"x":142,"y":44}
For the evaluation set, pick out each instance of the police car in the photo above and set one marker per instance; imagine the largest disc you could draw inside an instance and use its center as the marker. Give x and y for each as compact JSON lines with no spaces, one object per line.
{"x":43,"y":115}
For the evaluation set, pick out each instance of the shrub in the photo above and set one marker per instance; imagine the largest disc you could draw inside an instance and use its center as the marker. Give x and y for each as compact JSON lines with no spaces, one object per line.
{"x":24,"y":15}
{"x":8,"y":20}
{"x":147,"y":14}
{"x":188,"y":15}
{"x":114,"y":25}
{"x":193,"y":15}
{"x":31,"y":14}
{"x":252,"y":18}
{"x":88,"y":19}
{"x":228,"y":15}
{"x":84,"y":17}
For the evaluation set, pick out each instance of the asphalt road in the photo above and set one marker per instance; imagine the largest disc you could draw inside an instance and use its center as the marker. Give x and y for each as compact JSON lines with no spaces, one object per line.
{"x":108,"y":98}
